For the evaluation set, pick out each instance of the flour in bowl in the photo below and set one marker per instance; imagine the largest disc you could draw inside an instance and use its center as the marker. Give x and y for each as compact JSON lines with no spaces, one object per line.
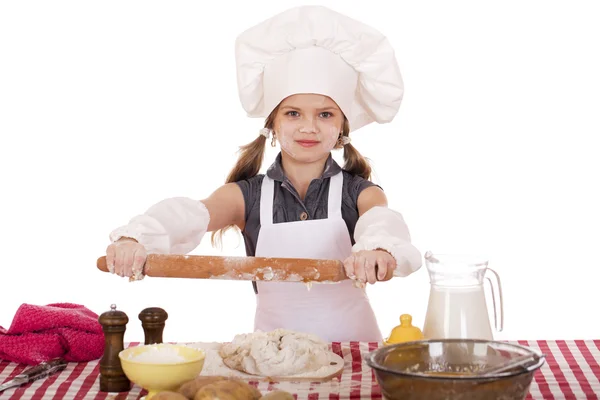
{"x":158,"y":355}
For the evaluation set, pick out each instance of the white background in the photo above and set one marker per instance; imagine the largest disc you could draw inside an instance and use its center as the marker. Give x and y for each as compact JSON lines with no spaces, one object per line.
{"x":108,"y":107}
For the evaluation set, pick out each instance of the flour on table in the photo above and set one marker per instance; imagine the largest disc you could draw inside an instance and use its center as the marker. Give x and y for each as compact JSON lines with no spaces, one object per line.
{"x":276,"y":353}
{"x":213,"y":363}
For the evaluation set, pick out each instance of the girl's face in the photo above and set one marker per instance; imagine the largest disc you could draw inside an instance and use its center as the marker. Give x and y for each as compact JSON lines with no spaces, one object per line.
{"x":308,"y":126}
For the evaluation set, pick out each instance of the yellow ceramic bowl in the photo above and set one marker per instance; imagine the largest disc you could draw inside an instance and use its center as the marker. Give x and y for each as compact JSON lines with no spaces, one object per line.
{"x":159,"y":367}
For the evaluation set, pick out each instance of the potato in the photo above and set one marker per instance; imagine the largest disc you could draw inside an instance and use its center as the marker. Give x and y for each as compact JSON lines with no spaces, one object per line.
{"x":228,"y":389}
{"x":190,"y":388}
{"x":277,"y":395}
{"x":168,"y":395}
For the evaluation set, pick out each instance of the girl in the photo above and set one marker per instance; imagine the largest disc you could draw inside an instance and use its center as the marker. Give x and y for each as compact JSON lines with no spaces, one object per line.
{"x":316,"y":76}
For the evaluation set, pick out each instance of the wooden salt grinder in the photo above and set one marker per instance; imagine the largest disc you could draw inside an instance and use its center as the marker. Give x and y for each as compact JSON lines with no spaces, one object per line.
{"x":112,"y":377}
{"x":153,"y":321}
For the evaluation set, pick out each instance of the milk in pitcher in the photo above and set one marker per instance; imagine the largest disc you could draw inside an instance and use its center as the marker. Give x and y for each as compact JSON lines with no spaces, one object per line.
{"x":457,"y":306}
{"x":457,"y":312}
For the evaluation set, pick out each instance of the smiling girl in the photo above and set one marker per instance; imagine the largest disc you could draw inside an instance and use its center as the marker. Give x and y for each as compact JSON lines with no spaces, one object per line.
{"x":314,"y":83}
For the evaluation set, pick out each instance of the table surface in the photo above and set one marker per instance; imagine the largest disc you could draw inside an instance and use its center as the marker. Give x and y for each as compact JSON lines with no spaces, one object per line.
{"x":571,"y":371}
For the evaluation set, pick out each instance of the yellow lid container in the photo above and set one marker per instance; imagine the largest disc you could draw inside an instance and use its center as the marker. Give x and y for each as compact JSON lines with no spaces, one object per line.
{"x":405,"y":332}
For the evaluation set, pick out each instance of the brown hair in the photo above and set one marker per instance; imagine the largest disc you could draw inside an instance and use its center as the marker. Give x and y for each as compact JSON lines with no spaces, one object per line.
{"x":354,"y":162}
{"x":252,"y":155}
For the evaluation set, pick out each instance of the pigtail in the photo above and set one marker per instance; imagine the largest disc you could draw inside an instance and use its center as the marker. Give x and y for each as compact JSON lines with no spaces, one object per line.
{"x":355,"y":163}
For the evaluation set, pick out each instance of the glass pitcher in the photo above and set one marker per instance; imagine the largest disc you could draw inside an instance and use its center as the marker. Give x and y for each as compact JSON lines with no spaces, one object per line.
{"x":457,"y":305}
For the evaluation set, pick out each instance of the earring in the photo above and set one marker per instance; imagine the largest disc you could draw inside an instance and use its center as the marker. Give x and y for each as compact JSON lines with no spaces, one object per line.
{"x":273,"y":140}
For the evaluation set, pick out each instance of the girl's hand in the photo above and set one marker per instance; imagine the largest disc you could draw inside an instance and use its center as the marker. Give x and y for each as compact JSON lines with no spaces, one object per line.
{"x":370,"y":266}
{"x":126,"y":257}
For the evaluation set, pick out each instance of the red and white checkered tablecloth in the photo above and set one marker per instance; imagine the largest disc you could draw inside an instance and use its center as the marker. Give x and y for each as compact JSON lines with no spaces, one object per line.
{"x":572,"y":371}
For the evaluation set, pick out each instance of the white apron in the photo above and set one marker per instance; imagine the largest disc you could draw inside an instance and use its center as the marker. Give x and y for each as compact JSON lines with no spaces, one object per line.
{"x":336,"y":312}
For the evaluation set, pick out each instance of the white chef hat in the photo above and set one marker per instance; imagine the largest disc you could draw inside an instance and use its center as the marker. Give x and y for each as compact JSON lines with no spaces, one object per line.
{"x":312,"y":49}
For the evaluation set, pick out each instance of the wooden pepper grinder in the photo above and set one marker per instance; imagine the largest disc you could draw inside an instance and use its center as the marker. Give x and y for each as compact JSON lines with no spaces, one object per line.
{"x":153,"y":321}
{"x":112,"y":377}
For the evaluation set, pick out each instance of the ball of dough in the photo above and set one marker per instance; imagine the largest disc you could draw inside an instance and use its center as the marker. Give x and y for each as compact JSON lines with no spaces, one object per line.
{"x":168,"y":395}
{"x":280,"y":352}
{"x":278,"y":395}
{"x":228,"y":389}
{"x":190,"y":388}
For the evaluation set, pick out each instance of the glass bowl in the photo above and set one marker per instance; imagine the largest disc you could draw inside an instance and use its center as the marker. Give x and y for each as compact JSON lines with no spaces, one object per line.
{"x":453,"y":369}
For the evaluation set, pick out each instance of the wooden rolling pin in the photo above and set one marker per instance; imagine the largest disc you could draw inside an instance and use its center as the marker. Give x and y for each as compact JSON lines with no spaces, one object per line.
{"x":240,"y":268}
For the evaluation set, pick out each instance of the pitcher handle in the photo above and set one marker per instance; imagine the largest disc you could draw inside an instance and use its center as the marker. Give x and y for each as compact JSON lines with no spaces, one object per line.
{"x":494,"y":300}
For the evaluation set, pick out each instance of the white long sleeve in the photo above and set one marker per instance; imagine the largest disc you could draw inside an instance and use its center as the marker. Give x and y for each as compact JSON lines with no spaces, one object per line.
{"x":384,"y":228}
{"x":172,"y":226}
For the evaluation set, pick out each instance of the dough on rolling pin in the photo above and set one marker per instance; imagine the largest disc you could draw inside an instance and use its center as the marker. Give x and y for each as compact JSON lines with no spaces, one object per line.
{"x":277,"y":353}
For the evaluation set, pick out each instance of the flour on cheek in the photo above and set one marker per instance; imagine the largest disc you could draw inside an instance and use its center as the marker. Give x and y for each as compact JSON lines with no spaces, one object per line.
{"x":330,"y":136}
{"x":285,"y":134}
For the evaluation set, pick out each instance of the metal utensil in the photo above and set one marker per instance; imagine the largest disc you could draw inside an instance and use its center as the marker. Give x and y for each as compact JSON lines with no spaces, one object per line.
{"x":514,"y":363}
{"x":36,"y":372}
